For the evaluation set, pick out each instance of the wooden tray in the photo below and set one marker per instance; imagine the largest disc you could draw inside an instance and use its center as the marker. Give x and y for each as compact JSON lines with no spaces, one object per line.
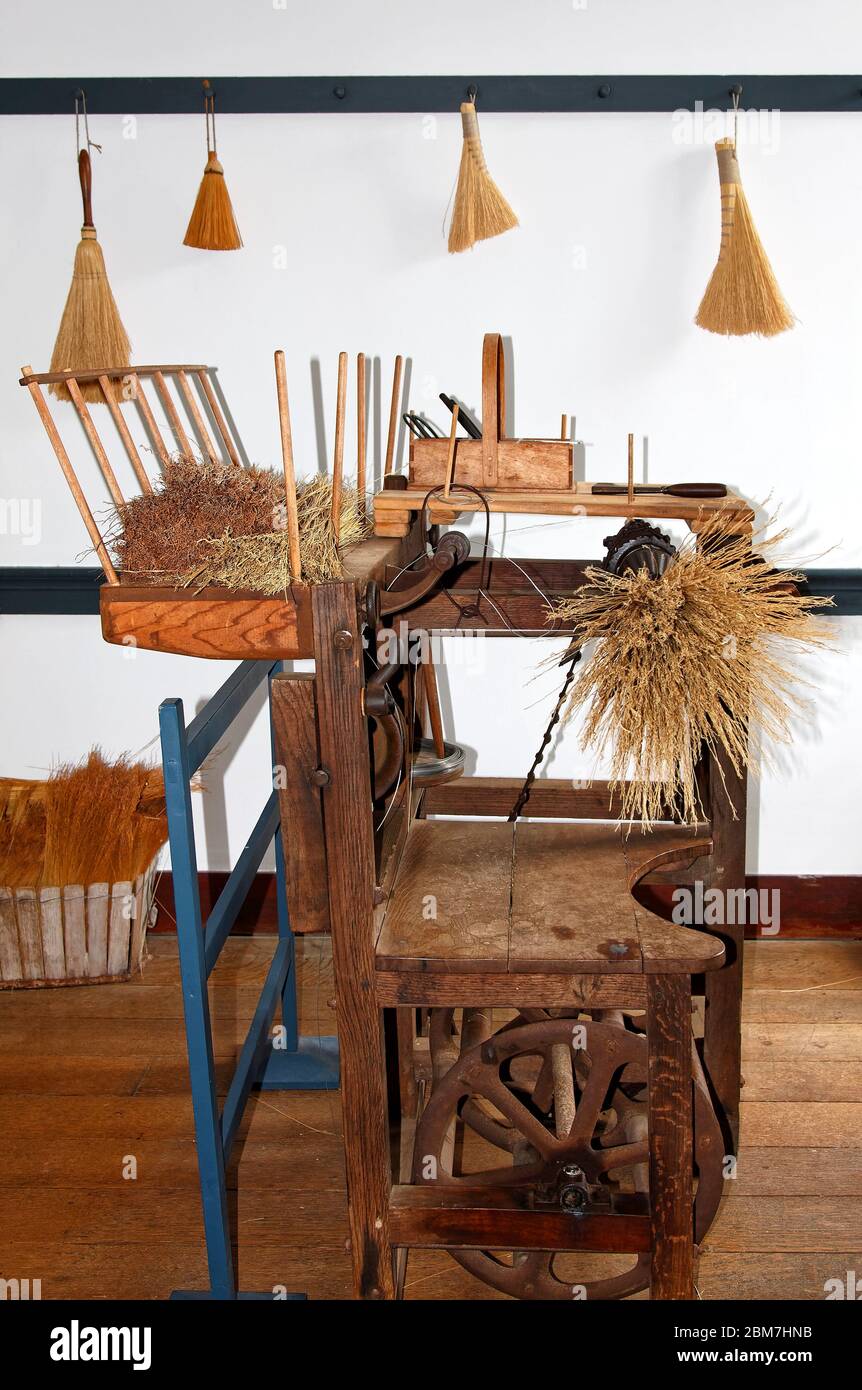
{"x":226,"y":624}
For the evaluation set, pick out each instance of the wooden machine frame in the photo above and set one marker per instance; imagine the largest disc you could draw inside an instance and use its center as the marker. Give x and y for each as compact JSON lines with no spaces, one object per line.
{"x":347,"y":873}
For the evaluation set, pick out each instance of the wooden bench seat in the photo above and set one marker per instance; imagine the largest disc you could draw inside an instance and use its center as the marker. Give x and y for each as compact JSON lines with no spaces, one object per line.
{"x":478,"y":897}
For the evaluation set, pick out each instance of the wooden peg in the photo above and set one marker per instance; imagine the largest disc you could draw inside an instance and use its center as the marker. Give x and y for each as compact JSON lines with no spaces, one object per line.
{"x":150,"y":421}
{"x":196,"y":415}
{"x":338,"y":460}
{"x":393,"y":415}
{"x":432,"y":702}
{"x":564,"y":427}
{"x":631,"y":496}
{"x":69,"y":474}
{"x":173,"y":415}
{"x":361,"y":430}
{"x":287,"y":463}
{"x":95,"y":442}
{"x":450,"y":457}
{"x":125,"y":434}
{"x":212,"y":402}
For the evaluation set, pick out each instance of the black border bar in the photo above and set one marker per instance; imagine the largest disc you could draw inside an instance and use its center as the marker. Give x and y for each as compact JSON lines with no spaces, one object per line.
{"x":53,"y":96}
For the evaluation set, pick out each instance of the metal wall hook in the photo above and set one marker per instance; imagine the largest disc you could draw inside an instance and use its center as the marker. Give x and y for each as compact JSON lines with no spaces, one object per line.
{"x":81,"y":111}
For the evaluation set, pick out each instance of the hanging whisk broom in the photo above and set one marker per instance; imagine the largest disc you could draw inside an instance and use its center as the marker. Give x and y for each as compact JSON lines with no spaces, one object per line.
{"x":743,"y":295}
{"x":212,"y":225}
{"x":91,"y":333}
{"x":480,"y":210}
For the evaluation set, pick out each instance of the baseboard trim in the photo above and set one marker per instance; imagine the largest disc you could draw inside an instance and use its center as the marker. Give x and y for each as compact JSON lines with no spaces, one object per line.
{"x":812,"y":906}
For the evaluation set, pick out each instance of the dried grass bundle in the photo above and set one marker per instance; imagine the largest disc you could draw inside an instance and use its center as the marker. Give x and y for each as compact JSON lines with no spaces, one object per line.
{"x":688,"y":659}
{"x":262,"y":562}
{"x":94,"y":822}
{"x":742,"y":295}
{"x":158,"y":534}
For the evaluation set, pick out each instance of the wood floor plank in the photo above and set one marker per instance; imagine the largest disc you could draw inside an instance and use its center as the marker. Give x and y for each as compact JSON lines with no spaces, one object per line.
{"x":774,"y":1078}
{"x":796,"y":1173}
{"x":803,"y":964}
{"x":277,"y":1215}
{"x":135,"y":1271}
{"x":270,"y":1114}
{"x":802,"y":1006}
{"x":799,"y":1124}
{"x":788,"y":1224}
{"x":805,"y":1042}
{"x":773,"y":1275}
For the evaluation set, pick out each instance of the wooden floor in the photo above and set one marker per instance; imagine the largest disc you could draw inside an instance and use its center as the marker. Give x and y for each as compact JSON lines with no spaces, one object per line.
{"x":92,"y":1077}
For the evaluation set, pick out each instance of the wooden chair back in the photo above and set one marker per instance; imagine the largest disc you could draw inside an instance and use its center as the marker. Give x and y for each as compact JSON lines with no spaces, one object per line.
{"x":185,"y":408}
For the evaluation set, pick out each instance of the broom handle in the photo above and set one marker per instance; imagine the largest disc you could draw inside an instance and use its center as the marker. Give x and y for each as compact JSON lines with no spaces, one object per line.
{"x":287,"y":463}
{"x":393,"y":416}
{"x":338,"y":460}
{"x":85,"y":175}
{"x":361,"y":441}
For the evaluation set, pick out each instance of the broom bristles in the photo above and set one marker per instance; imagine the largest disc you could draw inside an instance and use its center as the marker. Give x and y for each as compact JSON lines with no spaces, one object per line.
{"x":688,"y":659}
{"x":212,"y":225}
{"x":91,"y":331}
{"x":480,"y":210}
{"x":742,"y":296}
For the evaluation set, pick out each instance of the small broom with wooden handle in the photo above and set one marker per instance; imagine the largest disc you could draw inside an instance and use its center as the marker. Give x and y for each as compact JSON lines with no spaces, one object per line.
{"x":742,"y":296}
{"x":91,"y":331}
{"x":480,"y":209}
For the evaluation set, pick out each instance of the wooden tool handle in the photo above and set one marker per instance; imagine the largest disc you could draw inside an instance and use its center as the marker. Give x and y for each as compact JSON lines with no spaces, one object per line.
{"x":493,"y":404}
{"x":338,"y":460}
{"x":702,"y":490}
{"x":697,"y":490}
{"x":85,"y":174}
{"x":393,"y":417}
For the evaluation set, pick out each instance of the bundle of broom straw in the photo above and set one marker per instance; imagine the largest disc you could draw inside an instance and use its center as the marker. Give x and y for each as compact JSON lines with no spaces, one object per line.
{"x":91,"y":331}
{"x":92,"y":822}
{"x":742,"y":296}
{"x":480,"y":210}
{"x":686,"y":659}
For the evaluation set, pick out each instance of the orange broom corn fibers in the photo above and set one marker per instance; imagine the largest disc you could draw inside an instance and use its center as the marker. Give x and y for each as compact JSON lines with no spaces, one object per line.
{"x":480,"y":210}
{"x":212,"y":225}
{"x":742,"y":296}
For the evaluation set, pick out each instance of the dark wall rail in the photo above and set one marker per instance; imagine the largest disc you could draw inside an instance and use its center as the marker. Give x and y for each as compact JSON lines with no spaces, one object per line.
{"x":75,"y":589}
{"x":50,"y":96}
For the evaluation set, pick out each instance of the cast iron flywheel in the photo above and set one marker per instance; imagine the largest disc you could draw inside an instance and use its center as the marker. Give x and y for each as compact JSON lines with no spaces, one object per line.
{"x":563,"y":1098}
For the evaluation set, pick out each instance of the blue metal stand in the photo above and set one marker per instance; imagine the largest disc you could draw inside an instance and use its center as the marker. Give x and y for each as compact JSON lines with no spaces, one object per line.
{"x":285,"y":1062}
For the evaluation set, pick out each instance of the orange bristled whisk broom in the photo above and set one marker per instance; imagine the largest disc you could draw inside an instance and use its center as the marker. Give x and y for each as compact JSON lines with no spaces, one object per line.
{"x":480,"y":210}
{"x":212,"y":225}
{"x":742,"y":296}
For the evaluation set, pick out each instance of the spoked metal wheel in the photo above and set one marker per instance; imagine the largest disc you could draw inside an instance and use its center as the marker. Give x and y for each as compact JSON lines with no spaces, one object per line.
{"x":561,"y":1102}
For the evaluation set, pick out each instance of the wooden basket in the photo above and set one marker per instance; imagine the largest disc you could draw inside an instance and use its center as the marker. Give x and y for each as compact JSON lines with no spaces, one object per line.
{"x":495,"y":461}
{"x":74,"y":935}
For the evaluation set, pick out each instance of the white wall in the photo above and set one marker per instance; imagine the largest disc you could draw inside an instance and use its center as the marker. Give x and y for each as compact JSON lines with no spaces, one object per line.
{"x":596,"y":290}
